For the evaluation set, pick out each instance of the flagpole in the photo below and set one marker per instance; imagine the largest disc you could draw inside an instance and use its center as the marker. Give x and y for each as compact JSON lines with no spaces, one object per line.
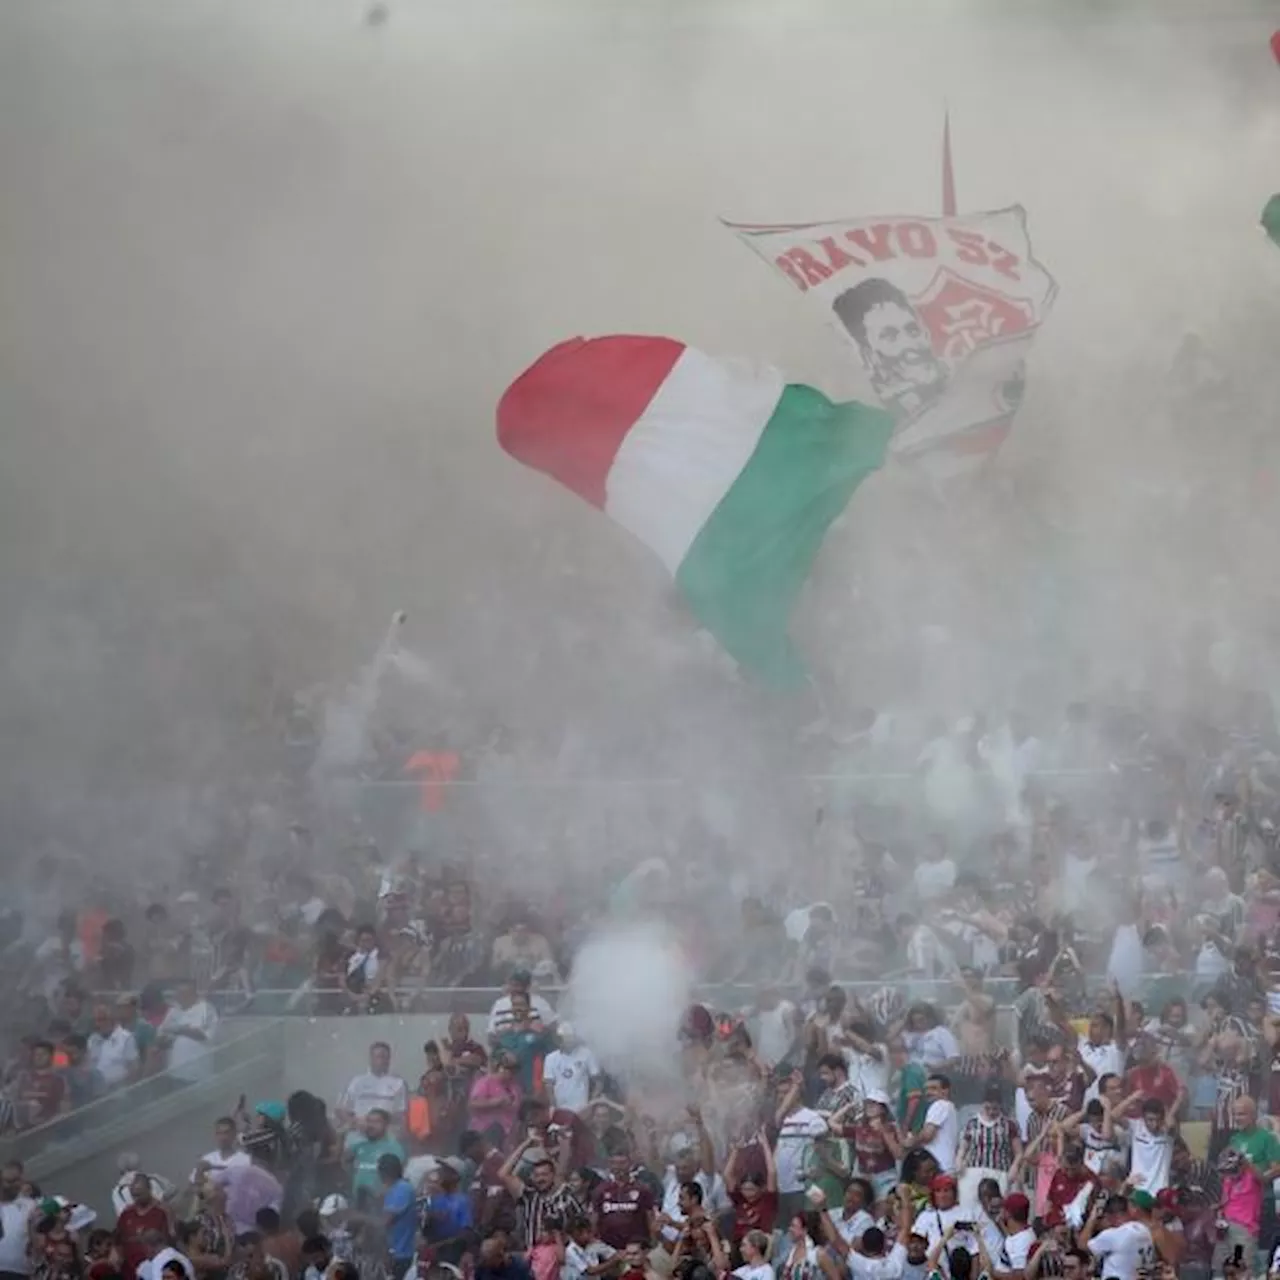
{"x":948,"y":173}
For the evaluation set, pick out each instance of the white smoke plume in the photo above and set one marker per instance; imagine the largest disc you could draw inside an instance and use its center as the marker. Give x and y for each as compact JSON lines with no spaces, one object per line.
{"x":629,"y":989}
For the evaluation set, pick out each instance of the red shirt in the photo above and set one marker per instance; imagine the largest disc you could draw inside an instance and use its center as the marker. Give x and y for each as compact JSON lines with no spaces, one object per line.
{"x":131,"y":1225}
{"x":1156,"y":1081}
{"x":1067,"y":1184}
{"x":873,"y":1151}
{"x":759,"y":1214}
{"x":41,"y":1093}
{"x":622,"y":1212}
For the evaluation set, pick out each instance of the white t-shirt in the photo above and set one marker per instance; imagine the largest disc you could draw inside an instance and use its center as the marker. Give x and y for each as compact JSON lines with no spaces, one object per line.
{"x":854,"y":1227}
{"x":13,"y":1244}
{"x":795,"y":1142}
{"x":568,"y":1074}
{"x":761,"y":1271}
{"x":715,"y":1198}
{"x":368,"y":1092}
{"x":1151,"y":1157}
{"x":942,"y":1113}
{"x":578,"y":1258}
{"x":991,"y":1233}
{"x":113,"y":1056}
{"x":1124,"y":1250}
{"x":1103,"y":1060}
{"x":889,"y":1267}
{"x":1016,"y":1249}
{"x":216,"y":1160}
{"x":776,"y":1032}
{"x":1098,"y":1150}
{"x":933,"y":1223}
{"x":931,"y":1048}
{"x":868,"y":1074}
{"x":200,"y":1017}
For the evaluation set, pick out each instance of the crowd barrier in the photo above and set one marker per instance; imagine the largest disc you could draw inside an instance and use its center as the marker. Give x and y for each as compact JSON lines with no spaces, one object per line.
{"x":108,"y":1124}
{"x":1153,"y":990}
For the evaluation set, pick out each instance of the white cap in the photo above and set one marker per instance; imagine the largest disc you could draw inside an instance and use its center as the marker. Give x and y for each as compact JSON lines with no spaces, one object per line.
{"x":81,"y":1216}
{"x":332,"y":1204}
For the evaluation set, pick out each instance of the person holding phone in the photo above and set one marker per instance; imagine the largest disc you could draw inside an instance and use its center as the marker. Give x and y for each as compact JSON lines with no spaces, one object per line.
{"x":961,"y":1264}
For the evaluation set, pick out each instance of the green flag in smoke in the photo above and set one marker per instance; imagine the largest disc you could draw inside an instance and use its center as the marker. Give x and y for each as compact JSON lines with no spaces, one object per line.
{"x":1271,"y":219}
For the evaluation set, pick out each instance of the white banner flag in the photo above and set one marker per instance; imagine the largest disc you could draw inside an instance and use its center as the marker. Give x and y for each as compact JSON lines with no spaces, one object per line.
{"x":941,"y":311}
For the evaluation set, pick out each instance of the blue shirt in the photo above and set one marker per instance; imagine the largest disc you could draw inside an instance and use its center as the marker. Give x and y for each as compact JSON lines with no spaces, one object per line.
{"x":447,"y":1215}
{"x":398,"y":1205}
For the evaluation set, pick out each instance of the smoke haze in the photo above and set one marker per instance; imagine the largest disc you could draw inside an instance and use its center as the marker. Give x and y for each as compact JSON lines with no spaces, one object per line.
{"x":268,"y":267}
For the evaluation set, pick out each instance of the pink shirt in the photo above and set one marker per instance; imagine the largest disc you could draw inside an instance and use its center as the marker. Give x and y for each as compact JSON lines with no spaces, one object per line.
{"x":1242,"y":1200}
{"x":544,"y":1261}
{"x":491,"y":1089}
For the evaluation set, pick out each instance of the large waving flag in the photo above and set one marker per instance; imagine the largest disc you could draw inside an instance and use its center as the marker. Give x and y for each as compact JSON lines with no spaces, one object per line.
{"x":941,"y":312}
{"x":723,"y":469}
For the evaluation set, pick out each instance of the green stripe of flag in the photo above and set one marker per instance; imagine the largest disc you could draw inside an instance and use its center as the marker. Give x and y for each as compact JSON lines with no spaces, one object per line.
{"x":746,"y":566}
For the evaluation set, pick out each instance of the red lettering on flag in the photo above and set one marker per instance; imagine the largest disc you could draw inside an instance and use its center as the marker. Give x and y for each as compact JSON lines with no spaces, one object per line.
{"x":873,"y":240}
{"x":916,"y":240}
{"x":814,"y":272}
{"x":836,"y":256}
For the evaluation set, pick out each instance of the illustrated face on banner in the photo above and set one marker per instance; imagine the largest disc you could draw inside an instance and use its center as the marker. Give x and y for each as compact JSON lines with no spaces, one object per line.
{"x":894,"y":343}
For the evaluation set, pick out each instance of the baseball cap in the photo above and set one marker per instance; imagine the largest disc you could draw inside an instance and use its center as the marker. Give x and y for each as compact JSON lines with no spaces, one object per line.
{"x":943,"y":1182}
{"x":1017,"y":1204}
{"x":1143,"y":1199}
{"x":332,"y":1204}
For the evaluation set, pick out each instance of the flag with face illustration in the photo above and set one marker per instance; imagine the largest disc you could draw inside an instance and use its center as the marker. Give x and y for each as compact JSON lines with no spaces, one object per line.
{"x":940,"y":313}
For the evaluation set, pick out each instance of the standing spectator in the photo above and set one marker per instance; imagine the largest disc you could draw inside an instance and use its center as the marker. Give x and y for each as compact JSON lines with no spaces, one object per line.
{"x":15,"y":1217}
{"x":527,"y":1042}
{"x":398,"y":1218}
{"x":571,"y":1072}
{"x":187,"y":1032}
{"x":519,"y":983}
{"x":367,"y":1154}
{"x":83,"y":1082}
{"x":495,"y":1097}
{"x":144,"y":1216}
{"x":521,"y":948}
{"x":990,"y":1145}
{"x":113,"y":1051}
{"x":226,"y":1152}
{"x":41,"y":1091}
{"x":940,"y":1134}
{"x":376,"y":1087}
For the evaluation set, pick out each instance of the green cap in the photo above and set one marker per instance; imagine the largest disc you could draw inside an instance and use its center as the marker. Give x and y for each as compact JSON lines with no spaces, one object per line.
{"x":1143,"y":1199}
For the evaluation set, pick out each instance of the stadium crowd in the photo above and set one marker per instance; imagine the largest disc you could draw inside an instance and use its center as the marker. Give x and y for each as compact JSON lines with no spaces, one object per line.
{"x":1043,"y":1047}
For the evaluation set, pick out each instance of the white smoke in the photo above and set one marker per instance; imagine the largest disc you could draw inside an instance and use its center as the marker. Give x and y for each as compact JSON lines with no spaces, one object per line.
{"x":629,"y":987}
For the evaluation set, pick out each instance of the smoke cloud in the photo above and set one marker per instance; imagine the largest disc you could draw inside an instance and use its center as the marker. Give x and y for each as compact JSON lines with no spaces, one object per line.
{"x":268,"y":268}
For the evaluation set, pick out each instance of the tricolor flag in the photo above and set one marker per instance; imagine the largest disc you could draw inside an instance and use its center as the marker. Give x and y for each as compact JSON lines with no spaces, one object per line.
{"x":728,"y":473}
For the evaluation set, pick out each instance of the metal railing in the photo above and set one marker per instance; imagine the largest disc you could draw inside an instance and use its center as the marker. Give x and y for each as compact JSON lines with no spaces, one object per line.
{"x":111,"y":1120}
{"x":1154,"y":990}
